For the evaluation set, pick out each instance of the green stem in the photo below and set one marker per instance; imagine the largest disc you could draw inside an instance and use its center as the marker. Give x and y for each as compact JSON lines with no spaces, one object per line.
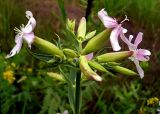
{"x":80,"y":46}
{"x":77,"y":93}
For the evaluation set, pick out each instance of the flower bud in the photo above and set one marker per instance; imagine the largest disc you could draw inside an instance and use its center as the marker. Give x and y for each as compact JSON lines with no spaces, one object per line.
{"x":98,"y":67}
{"x":90,"y":35}
{"x":124,"y":71}
{"x":82,"y":28}
{"x":56,"y":76}
{"x":69,"y":52}
{"x":96,"y":42}
{"x":71,"y":25}
{"x":115,"y":56}
{"x":87,"y":71}
{"x":47,"y":47}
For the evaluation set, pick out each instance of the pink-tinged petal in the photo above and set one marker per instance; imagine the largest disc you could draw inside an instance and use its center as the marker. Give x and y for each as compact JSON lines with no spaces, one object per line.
{"x":17,"y":47}
{"x":108,"y":21}
{"x":29,"y":14}
{"x":31,"y":21}
{"x":18,"y":38}
{"x":27,"y":29}
{"x":89,"y":56}
{"x":127,"y":41}
{"x":138,"y":39}
{"x":139,"y":69}
{"x":143,"y":54}
{"x":29,"y":38}
{"x":114,"y":38}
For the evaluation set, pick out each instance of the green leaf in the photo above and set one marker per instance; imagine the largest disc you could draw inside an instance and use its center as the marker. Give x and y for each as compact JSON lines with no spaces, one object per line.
{"x":62,"y":9}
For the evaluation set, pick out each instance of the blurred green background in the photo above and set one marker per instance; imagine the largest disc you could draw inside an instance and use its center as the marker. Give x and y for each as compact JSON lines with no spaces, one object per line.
{"x":31,"y":92}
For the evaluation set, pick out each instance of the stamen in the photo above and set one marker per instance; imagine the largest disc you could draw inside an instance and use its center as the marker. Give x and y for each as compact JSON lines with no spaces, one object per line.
{"x":130,"y":37}
{"x":124,"y":30}
{"x":17,"y":30}
{"x":22,"y":26}
{"x":126,"y":19}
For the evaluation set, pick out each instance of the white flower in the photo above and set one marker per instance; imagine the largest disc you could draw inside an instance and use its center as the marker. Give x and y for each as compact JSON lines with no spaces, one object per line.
{"x":24,"y":33}
{"x":112,"y":23}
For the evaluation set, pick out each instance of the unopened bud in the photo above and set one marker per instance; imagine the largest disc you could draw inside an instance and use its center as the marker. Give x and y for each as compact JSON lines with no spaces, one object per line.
{"x":87,"y":71}
{"x":98,"y":67}
{"x":69,"y":52}
{"x":82,"y":28}
{"x":56,"y":76}
{"x":115,"y":56}
{"x":47,"y":47}
{"x":71,"y":24}
{"x":96,"y":42}
{"x":124,"y":71}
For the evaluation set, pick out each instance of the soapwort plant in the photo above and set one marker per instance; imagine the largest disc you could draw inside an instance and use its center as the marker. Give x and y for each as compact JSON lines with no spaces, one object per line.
{"x":77,"y":58}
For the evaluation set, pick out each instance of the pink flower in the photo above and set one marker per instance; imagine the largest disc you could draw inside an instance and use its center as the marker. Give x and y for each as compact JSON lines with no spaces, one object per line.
{"x":139,"y":54}
{"x":111,"y":23}
{"x":24,"y":33}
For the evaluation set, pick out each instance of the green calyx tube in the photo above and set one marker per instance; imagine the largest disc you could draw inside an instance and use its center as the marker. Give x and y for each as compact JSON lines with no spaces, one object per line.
{"x":96,"y":42}
{"x":47,"y":47}
{"x":114,"y":56}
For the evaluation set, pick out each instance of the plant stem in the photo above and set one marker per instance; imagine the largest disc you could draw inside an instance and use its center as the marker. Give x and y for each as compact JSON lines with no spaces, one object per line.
{"x":88,"y":9}
{"x":77,"y":93}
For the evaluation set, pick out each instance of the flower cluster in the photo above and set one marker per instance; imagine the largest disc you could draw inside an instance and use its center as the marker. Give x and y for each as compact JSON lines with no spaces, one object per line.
{"x":152,"y":101}
{"x":118,"y":30}
{"x":114,"y":31}
{"x":9,"y":76}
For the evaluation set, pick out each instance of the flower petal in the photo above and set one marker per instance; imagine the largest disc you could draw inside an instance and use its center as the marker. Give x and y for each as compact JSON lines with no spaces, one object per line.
{"x":127,"y":41}
{"x":108,"y":21}
{"x":31,"y":23}
{"x":29,"y":14}
{"x":89,"y":56}
{"x":114,"y":38}
{"x":138,"y":39}
{"x":27,"y":29}
{"x":29,"y":38}
{"x":17,"y":47}
{"x":139,"y":69}
{"x":143,"y":54}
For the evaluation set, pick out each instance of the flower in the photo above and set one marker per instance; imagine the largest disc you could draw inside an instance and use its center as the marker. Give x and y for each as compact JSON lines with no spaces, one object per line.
{"x":25,"y":32}
{"x":139,"y":54}
{"x":111,"y":23}
{"x":9,"y":76}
